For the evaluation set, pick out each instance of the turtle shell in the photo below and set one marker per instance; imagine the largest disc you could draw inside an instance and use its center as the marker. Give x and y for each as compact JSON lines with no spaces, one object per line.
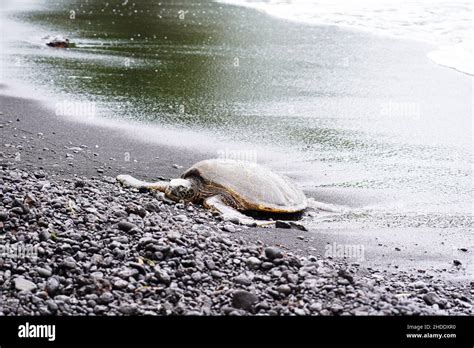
{"x":253,"y":186}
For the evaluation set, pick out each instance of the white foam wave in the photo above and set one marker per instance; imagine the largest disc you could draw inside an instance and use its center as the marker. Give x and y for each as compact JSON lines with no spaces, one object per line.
{"x":446,"y":24}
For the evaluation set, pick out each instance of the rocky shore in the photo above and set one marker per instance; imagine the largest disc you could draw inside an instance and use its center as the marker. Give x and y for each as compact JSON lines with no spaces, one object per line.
{"x":86,"y":246}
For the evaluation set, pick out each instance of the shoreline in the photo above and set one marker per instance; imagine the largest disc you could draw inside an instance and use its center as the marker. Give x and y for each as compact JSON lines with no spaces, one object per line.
{"x":102,"y":249}
{"x":66,"y":149}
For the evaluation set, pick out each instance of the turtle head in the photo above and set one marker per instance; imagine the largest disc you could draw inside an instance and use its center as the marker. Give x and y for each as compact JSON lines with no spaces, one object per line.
{"x":180,"y":189}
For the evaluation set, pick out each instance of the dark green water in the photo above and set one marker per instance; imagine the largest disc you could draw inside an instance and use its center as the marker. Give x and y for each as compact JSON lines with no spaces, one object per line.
{"x":336,"y":109}
{"x":195,"y":64}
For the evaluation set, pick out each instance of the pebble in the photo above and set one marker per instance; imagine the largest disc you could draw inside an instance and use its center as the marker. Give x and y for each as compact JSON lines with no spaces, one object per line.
{"x":418,"y":284}
{"x":69,"y":263}
{"x":162,"y":275}
{"x":52,"y":286}
{"x":284,"y":289}
{"x":43,"y":272}
{"x":106,"y":297}
{"x":44,"y":235}
{"x":3,"y":215}
{"x":22,"y":284}
{"x":431,"y":298}
{"x":229,"y":228}
{"x":52,"y":306}
{"x":120,"y":284}
{"x":242,"y":279}
{"x":126,"y":226}
{"x":253,"y":262}
{"x":243,"y":299}
{"x":273,"y":253}
{"x":128,"y":309}
{"x":182,"y":218}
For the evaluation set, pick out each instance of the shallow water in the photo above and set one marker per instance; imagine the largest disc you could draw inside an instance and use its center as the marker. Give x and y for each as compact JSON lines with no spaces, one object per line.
{"x":357,"y":120}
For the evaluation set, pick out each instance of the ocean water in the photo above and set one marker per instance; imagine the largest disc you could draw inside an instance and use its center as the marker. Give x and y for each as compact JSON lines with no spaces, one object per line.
{"x":447,"y":24}
{"x":359,"y":120}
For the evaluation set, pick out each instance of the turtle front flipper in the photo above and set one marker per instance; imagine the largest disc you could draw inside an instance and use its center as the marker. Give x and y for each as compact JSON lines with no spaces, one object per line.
{"x":130,"y":181}
{"x":216,"y":203}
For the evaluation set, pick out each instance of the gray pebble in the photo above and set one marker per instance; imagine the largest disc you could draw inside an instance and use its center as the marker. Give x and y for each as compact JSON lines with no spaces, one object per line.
{"x":273,"y":253}
{"x":244,"y":300}
{"x":22,"y":284}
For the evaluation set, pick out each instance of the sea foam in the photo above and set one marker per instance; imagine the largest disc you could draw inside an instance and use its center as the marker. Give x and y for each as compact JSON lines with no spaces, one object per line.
{"x":445,"y":24}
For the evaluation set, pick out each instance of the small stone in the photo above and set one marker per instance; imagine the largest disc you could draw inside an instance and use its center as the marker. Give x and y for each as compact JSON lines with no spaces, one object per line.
{"x":120,"y":284}
{"x":43,"y":272}
{"x":69,"y":263}
{"x":173,"y":235}
{"x":244,"y":300}
{"x":418,"y":284}
{"x":99,"y":309}
{"x":3,"y":215}
{"x":30,"y":199}
{"x":79,"y":184}
{"x":242,"y":279}
{"x":273,"y":253}
{"x":299,"y":311}
{"x":128,"y":309}
{"x":196,"y":276}
{"x":162,"y":275}
{"x":217,"y":274}
{"x":52,"y":306}
{"x":17,"y":210}
{"x":182,"y":218}
{"x":180,"y":251}
{"x":106,"y":297}
{"x":229,"y":228}
{"x":336,"y":308}
{"x":457,"y":263}
{"x":21,"y":284}
{"x":126,"y":226}
{"x":253,"y":262}
{"x":316,"y":307}
{"x":431,"y":298}
{"x":44,"y":235}
{"x":284,"y":289}
{"x":52,"y":286}
{"x":151,"y":207}
{"x":346,"y":275}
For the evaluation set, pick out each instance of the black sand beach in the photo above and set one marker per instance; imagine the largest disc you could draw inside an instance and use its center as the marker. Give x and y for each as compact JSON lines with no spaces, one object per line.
{"x":425,"y":263}
{"x":101,"y":249}
{"x":46,"y":139}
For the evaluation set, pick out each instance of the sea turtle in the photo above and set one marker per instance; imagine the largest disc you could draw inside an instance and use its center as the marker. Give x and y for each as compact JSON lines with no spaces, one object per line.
{"x":230,"y":187}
